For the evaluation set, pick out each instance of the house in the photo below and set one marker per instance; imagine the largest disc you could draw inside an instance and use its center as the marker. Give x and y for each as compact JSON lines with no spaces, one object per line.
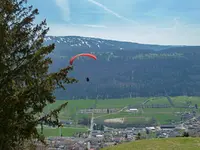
{"x":117,"y":139}
{"x":180,"y":127}
{"x":66,"y":122}
{"x":174,"y":134}
{"x":94,"y":134}
{"x":167,"y":127}
{"x":151,"y":128}
{"x":129,"y":129}
{"x":162,"y":135}
{"x":133,"y":110}
{"x":99,"y":136}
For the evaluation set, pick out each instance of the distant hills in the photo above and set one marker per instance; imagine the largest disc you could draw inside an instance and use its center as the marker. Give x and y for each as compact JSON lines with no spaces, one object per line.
{"x":126,"y":69}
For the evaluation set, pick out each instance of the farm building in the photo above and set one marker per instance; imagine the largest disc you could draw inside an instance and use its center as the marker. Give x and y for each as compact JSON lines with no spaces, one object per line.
{"x":151,"y":128}
{"x":134,"y":110}
{"x":167,"y":127}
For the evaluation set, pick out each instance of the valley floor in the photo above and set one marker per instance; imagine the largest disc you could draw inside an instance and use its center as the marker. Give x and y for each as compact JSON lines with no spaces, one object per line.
{"x":154,"y":109}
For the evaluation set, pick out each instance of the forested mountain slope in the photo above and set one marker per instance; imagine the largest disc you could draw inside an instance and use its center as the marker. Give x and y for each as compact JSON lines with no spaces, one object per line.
{"x":125,"y":69}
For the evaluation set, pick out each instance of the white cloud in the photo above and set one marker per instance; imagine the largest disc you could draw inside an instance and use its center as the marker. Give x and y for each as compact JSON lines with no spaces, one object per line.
{"x":65,"y":9}
{"x":95,"y":26}
{"x":111,"y":12}
{"x":89,"y":25}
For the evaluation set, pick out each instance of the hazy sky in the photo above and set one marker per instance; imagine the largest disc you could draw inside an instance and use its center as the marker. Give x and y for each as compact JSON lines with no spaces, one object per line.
{"x":144,"y":21}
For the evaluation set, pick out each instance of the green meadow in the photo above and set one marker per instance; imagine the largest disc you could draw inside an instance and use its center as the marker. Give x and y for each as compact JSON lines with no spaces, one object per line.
{"x":66,"y":131}
{"x":162,"y":115}
{"x":160,"y":144}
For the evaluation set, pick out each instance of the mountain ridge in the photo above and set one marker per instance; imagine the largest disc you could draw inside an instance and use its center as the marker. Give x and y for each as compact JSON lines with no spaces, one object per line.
{"x":87,"y":37}
{"x":136,"y":70}
{"x":78,"y":41}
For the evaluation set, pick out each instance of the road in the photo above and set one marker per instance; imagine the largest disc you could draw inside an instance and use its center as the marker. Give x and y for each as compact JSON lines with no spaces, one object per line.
{"x":112,"y":113}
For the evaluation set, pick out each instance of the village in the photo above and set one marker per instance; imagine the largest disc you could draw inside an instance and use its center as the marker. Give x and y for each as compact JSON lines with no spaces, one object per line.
{"x":111,"y":137}
{"x":95,"y":138}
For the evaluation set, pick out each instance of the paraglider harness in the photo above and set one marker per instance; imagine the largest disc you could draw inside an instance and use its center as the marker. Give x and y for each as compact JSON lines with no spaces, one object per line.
{"x":87,"y":79}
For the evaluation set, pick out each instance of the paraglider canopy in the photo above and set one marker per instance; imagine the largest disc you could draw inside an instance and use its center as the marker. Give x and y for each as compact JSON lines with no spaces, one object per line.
{"x":83,"y":54}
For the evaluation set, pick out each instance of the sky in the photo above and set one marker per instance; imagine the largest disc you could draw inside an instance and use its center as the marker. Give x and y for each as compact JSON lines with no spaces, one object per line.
{"x":167,"y":22}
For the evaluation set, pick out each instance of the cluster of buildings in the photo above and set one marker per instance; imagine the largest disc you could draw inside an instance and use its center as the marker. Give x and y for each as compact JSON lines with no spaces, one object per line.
{"x":96,"y":139}
{"x":111,"y":137}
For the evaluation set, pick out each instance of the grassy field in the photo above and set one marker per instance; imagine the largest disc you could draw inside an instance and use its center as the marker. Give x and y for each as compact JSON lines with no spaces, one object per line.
{"x":157,"y":100}
{"x":76,"y":105}
{"x":66,"y":131}
{"x":160,"y":144}
{"x":184,"y":99}
{"x":162,"y":115}
{"x":119,"y":103}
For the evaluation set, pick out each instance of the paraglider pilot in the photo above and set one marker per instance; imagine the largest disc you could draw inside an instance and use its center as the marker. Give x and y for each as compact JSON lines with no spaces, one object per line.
{"x":87,"y":79}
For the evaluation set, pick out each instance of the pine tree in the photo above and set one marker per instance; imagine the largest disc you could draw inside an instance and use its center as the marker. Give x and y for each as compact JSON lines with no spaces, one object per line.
{"x":26,"y":87}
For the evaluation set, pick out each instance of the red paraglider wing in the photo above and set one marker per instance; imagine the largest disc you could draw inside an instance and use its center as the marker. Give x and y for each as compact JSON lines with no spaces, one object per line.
{"x":83,"y":54}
